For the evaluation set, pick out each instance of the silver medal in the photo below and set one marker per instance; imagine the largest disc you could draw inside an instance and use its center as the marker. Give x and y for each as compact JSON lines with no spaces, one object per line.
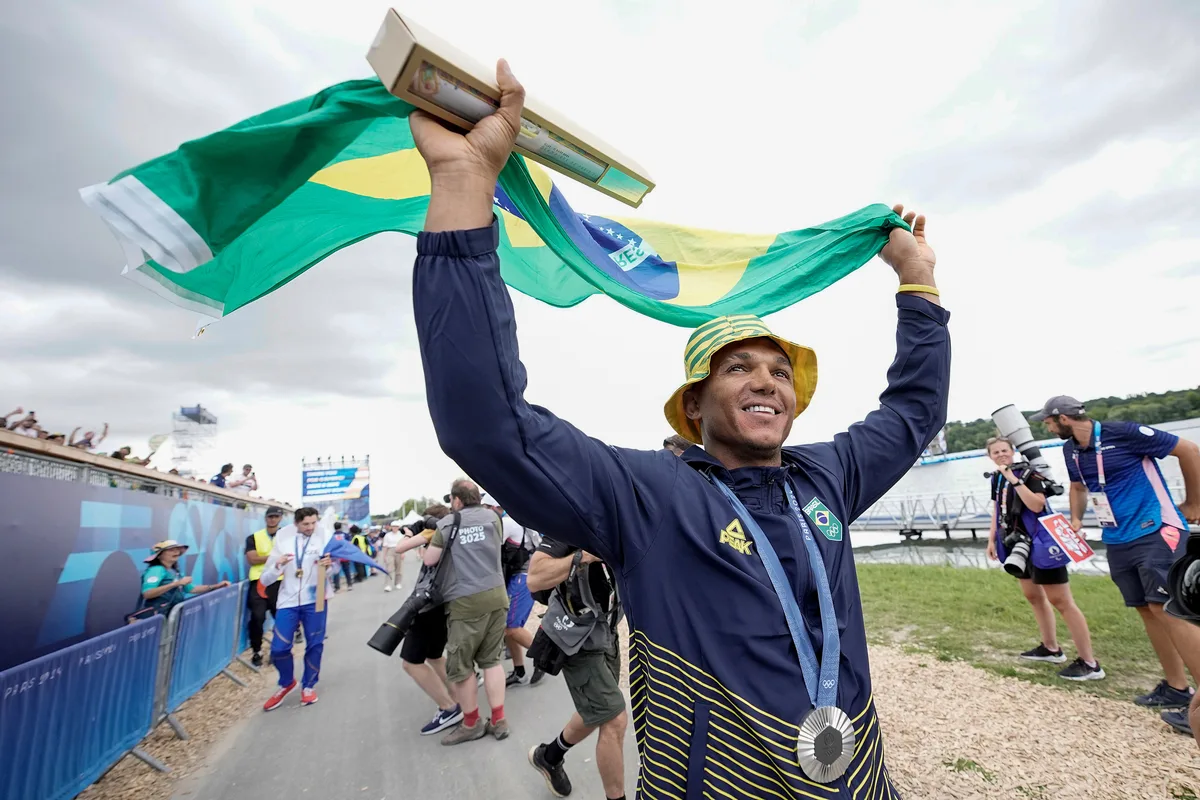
{"x":825,"y":745}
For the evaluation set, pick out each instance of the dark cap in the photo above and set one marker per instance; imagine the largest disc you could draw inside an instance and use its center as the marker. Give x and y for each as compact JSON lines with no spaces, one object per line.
{"x":274,"y":511}
{"x":1059,"y":404}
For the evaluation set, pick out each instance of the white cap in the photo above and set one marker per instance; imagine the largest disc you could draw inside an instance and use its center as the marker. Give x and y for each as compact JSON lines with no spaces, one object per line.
{"x":488,"y":500}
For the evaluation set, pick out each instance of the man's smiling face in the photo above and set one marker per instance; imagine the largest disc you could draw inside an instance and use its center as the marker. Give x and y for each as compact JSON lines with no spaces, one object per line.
{"x":748,"y":402}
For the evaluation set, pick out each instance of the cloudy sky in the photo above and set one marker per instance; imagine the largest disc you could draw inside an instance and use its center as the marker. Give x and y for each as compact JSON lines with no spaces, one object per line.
{"x":1055,"y":147}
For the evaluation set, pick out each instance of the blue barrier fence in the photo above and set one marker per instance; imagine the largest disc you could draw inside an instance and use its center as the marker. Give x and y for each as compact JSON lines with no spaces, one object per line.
{"x":66,"y":717}
{"x":204,"y":639}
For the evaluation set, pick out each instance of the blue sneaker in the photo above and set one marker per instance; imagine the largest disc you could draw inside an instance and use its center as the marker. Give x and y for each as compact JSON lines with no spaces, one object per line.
{"x":1177,"y":720}
{"x":1165,"y":696}
{"x":442,"y":720}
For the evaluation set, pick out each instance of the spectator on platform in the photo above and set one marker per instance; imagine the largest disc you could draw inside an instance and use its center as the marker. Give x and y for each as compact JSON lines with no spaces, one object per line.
{"x":89,"y":442}
{"x":4,"y":420}
{"x":221,"y":477}
{"x":162,"y":586}
{"x":124,"y":454}
{"x":57,"y":438}
{"x":28,"y":426}
{"x":245,"y":484}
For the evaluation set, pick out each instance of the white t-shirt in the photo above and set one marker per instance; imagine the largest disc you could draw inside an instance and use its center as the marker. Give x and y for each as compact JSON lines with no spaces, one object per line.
{"x":31,"y":432}
{"x":249,"y":484}
{"x":514,"y":532}
{"x":297,"y":591}
{"x":392,"y":538}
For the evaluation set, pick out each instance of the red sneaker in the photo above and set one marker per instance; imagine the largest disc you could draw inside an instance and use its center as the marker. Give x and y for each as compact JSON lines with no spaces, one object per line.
{"x":274,"y":700}
{"x":308,"y":697}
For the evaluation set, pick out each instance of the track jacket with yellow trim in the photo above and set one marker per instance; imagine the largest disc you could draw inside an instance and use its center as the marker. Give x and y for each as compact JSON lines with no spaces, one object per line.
{"x":718,"y":693}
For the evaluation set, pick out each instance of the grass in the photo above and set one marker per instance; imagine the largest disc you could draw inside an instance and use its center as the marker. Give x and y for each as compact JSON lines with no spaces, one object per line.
{"x":980,"y":616}
{"x":967,"y":765}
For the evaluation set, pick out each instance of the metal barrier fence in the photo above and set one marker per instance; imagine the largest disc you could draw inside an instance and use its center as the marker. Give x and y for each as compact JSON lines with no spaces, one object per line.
{"x":66,"y":718}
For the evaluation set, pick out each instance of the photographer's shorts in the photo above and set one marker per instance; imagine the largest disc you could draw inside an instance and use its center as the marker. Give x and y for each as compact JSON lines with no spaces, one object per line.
{"x":426,"y":638}
{"x":1139,"y":568}
{"x":1044,"y":577}
{"x":474,"y":642}
{"x":595,"y":683}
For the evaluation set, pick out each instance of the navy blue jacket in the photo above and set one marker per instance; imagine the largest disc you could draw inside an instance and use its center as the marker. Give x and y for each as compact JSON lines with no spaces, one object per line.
{"x":717,"y":690}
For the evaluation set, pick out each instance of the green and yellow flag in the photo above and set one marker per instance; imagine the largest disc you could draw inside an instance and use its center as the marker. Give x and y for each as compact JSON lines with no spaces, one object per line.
{"x":230,"y":217}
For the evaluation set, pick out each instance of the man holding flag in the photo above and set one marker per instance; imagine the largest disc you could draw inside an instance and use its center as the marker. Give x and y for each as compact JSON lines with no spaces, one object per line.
{"x":300,"y":554}
{"x":749,"y":668}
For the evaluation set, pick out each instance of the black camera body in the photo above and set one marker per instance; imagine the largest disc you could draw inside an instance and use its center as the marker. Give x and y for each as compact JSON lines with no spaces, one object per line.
{"x":1183,"y":584}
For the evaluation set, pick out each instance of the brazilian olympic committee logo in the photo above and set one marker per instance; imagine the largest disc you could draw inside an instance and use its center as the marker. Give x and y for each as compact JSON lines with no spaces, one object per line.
{"x":823,"y":518}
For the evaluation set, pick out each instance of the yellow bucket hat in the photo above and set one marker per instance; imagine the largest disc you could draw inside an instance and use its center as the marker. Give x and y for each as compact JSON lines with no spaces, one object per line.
{"x":709,"y":338}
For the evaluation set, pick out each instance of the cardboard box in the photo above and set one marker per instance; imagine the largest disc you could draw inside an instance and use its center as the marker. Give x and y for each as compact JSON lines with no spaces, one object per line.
{"x":426,"y":71}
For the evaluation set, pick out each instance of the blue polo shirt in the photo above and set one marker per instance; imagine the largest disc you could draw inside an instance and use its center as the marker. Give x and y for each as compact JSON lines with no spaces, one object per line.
{"x":1132,"y":480}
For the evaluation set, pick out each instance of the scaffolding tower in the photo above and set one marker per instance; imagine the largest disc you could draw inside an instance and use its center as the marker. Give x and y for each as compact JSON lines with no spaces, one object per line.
{"x":194,"y":434}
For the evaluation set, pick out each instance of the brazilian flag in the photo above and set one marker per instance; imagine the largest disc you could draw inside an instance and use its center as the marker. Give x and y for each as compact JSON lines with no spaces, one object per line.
{"x":233,"y":216}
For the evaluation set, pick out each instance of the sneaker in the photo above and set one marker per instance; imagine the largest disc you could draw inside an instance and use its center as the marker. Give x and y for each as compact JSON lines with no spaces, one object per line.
{"x":498,"y":729}
{"x":299,"y":637}
{"x":256,"y":659}
{"x":442,"y":720}
{"x":387,"y":588}
{"x":479,"y":679}
{"x":1043,"y":653}
{"x":308,"y":697}
{"x":466,"y":733}
{"x":1177,"y":720}
{"x":274,"y":700}
{"x":537,"y":677}
{"x":1165,"y":696}
{"x":1078,"y":670}
{"x":556,"y":777}
{"x":514,"y":679}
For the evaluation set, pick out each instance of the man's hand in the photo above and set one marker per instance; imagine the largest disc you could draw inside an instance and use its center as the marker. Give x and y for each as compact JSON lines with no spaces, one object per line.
{"x":907,"y":252}
{"x":1190,"y":510}
{"x":463,"y":168}
{"x":325,"y":561}
{"x":1076,"y":524}
{"x":285,"y":559}
{"x":588,"y":558}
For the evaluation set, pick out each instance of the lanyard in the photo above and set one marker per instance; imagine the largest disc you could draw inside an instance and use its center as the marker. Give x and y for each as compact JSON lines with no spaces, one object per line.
{"x":301,"y":553}
{"x":822,"y":694}
{"x":1099,"y":455}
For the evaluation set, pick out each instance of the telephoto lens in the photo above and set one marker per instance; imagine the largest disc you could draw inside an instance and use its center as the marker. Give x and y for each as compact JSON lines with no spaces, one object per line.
{"x":1018,"y":555}
{"x":1183,"y":584}
{"x":389,"y":635}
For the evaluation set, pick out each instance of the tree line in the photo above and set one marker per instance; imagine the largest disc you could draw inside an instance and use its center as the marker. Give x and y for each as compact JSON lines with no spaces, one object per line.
{"x":1147,"y":409}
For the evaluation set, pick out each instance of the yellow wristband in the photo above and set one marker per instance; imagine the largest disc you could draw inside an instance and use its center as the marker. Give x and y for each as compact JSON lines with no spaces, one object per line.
{"x":919,"y":288}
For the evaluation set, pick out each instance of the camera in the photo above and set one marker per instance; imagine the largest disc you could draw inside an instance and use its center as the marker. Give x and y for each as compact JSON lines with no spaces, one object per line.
{"x":1013,"y":426}
{"x":1183,"y":584}
{"x":389,"y":635}
{"x":1018,"y":545}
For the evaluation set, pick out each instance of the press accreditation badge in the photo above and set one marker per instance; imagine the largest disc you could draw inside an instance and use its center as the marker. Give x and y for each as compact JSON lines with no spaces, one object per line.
{"x":1102,"y":509}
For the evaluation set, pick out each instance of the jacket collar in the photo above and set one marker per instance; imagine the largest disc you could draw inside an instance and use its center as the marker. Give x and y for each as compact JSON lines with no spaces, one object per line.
{"x":742,"y":478}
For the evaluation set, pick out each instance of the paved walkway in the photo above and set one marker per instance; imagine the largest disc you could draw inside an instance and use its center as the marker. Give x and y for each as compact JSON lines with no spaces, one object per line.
{"x":361,"y":740}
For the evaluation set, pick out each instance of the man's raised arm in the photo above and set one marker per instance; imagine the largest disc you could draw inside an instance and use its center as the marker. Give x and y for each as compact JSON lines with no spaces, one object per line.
{"x":875,"y":453}
{"x":541,"y":469}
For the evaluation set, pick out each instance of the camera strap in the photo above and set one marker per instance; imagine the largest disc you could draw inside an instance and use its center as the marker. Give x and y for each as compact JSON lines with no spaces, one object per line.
{"x":825,"y":744}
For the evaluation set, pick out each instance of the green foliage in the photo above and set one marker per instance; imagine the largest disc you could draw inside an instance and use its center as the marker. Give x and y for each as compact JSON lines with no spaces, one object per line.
{"x":1147,"y":409}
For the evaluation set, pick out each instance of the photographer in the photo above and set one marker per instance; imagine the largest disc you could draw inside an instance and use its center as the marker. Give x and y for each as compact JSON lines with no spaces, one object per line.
{"x":579,"y":633}
{"x":424,"y":646}
{"x":1030,"y":554}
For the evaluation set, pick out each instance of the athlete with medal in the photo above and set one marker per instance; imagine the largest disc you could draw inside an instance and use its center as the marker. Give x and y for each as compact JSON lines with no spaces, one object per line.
{"x":1114,"y":471}
{"x":749,"y":671}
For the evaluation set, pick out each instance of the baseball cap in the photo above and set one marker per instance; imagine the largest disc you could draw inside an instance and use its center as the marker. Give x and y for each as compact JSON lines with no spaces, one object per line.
{"x":487,"y":500}
{"x":1059,"y":404}
{"x":274,"y":511}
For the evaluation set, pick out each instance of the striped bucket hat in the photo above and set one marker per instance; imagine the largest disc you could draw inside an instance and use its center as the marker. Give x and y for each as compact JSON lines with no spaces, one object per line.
{"x":709,"y":338}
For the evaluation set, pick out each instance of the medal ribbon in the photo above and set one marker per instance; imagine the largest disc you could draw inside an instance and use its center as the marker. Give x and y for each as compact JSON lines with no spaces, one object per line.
{"x":824,"y":692}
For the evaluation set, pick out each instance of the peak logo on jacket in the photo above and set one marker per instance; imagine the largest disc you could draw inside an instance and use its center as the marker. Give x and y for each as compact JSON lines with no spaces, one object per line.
{"x":733,"y":536}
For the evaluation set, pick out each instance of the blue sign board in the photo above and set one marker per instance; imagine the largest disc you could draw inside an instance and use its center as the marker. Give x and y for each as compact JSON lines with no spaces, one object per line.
{"x":328,"y":482}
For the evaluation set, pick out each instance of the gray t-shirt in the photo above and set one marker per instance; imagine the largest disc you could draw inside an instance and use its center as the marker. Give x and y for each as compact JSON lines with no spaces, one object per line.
{"x":474,"y":585}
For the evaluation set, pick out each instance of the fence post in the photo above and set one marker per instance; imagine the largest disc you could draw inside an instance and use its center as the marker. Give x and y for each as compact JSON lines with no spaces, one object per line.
{"x":165,"y":668}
